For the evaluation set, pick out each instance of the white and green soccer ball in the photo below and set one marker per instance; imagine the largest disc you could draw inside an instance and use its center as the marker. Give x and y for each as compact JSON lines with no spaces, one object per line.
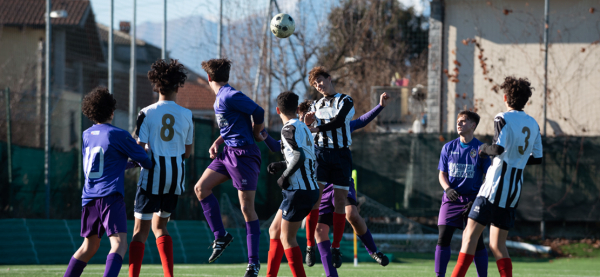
{"x":282,"y":25}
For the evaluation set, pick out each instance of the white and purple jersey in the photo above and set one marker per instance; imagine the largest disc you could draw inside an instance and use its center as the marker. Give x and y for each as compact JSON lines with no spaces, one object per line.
{"x":464,"y":166}
{"x":105,"y":151}
{"x":233,"y":110}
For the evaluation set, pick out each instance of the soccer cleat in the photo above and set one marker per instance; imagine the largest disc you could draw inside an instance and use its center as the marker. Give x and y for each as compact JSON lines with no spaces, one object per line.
{"x":252,"y":270}
{"x":336,"y":257}
{"x":219,"y":246}
{"x":310,"y":256}
{"x":380,"y":258}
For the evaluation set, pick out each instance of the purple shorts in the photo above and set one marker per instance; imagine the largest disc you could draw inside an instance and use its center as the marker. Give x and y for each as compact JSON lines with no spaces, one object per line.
{"x":106,"y":214}
{"x":241,"y":164}
{"x":451,"y":211}
{"x":327,"y":204}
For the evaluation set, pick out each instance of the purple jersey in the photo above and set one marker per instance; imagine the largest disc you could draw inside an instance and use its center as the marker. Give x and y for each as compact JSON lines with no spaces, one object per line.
{"x":464,"y":166}
{"x":233,"y":110}
{"x":105,"y":151}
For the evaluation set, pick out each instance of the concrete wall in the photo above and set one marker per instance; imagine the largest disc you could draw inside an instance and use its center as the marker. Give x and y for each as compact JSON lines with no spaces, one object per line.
{"x":510,"y":38}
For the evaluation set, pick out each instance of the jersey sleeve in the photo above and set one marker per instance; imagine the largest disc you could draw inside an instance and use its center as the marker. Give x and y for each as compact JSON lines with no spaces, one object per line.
{"x":190,"y":135}
{"x":240,"y":102}
{"x":443,"y":165}
{"x":142,"y":131}
{"x":500,"y":133}
{"x":537,"y":146}
{"x":365,"y":119}
{"x":127,"y":145}
{"x":288,"y":133}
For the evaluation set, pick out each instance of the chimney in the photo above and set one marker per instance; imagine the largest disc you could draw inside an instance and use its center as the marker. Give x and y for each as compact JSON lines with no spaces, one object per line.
{"x":125,"y":26}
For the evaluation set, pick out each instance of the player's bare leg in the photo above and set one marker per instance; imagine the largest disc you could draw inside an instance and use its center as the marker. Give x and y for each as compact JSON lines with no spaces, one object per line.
{"x":311,"y":224}
{"x":164,"y":243}
{"x":361,"y":230}
{"x":88,"y":248}
{"x":324,"y":245}
{"x":276,"y":251}
{"x":469,"y":245}
{"x":246,"y":198}
{"x":118,"y":248}
{"x":498,"y":248}
{"x":340,"y":200}
{"x":212,"y":212}
{"x":290,"y":245}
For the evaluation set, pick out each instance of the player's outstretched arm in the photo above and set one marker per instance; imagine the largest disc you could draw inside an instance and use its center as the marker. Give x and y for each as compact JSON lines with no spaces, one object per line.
{"x":366,"y":118}
{"x":135,"y":151}
{"x":214,"y":148}
{"x":272,"y":144}
{"x":258,"y":117}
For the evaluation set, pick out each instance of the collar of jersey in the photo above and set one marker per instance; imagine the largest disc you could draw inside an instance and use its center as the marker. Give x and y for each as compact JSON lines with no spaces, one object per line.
{"x":221,"y":89}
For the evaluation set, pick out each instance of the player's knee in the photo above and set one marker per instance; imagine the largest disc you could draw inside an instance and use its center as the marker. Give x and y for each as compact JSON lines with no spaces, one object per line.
{"x":444,"y":241}
{"x":274,"y":231}
{"x":247,"y":209}
{"x":353,"y":217}
{"x":198,"y":191}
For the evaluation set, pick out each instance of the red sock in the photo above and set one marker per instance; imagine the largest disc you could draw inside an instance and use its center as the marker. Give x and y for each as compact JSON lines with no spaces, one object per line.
{"x":165,"y":249}
{"x":339,"y":223}
{"x":294,"y":257}
{"x":136,"y":255}
{"x":275,"y":256}
{"x":504,"y":267}
{"x":462,"y":265}
{"x":311,"y":225}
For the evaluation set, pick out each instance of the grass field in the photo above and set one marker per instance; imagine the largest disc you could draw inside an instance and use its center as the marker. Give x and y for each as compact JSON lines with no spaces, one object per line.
{"x":415,"y":266}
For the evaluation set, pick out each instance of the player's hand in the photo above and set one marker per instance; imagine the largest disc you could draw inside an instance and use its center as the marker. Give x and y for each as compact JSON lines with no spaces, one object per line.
{"x":213,"y":150}
{"x":383,"y":99}
{"x":260,"y":136}
{"x":452,"y":194}
{"x":467,"y":209}
{"x":283,"y":182}
{"x":309,"y":118}
{"x":481,"y":148}
{"x":275,"y":167}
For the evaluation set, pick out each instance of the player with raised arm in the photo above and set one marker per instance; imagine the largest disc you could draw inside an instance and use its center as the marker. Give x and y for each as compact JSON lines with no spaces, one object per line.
{"x":517,"y":143}
{"x":299,"y":184}
{"x":240,"y":121}
{"x":105,"y":151}
{"x":168,"y":131}
{"x":327,"y":207}
{"x":461,"y":175}
{"x":332,"y":116}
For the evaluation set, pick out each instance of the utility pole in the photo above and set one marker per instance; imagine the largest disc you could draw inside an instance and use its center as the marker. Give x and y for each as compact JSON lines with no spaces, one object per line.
{"x":220,"y":34}
{"x":546,"y":29}
{"x":262,"y":48}
{"x":111,"y":47}
{"x":132,"y":73}
{"x":163,"y":53}
{"x":9,"y":148}
{"x":47,"y":111}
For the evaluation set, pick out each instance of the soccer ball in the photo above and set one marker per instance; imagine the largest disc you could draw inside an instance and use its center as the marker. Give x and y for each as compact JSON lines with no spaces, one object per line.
{"x":282,"y":25}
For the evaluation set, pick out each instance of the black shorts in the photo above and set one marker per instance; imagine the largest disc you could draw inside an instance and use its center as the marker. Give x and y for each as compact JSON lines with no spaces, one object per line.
{"x":146,"y":202}
{"x":326,"y":219}
{"x":334,"y":166}
{"x":485,"y":213}
{"x":297,"y":204}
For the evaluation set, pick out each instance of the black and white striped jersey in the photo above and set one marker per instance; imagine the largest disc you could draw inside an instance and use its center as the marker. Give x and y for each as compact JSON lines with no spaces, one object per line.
{"x":296,"y":135}
{"x":333,"y":115}
{"x":519,"y":134}
{"x":166,"y":128}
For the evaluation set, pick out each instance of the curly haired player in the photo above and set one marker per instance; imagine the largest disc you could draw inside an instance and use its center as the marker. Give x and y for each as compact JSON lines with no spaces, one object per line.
{"x":517,"y":143}
{"x":167,"y":130}
{"x":105,"y":152}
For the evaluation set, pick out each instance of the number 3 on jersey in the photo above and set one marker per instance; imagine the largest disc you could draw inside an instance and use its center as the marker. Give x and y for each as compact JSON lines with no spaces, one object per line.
{"x":167,"y":132}
{"x":90,"y":162}
{"x":523,"y":148}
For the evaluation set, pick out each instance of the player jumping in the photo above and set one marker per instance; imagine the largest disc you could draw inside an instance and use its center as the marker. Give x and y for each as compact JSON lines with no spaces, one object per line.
{"x":168,"y":131}
{"x":517,"y":142}
{"x":105,"y":151}
{"x":461,"y":175}
{"x":299,"y":184}
{"x":239,"y":161}
{"x":333,"y":114}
